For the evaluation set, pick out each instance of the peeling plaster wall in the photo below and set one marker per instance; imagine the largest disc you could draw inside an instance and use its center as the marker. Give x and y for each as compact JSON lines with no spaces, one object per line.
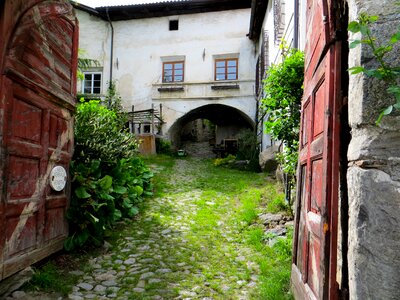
{"x":274,"y":52}
{"x":141,"y":45}
{"x":374,"y":168}
{"x":94,"y":43}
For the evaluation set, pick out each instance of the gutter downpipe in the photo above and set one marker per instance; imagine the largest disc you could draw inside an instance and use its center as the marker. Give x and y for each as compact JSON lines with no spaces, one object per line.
{"x":110,"y":83}
{"x":296,"y":25}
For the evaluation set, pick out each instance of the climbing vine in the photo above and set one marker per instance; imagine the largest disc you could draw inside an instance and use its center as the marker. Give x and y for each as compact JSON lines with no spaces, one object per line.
{"x":282,"y":102}
{"x":385,"y":71}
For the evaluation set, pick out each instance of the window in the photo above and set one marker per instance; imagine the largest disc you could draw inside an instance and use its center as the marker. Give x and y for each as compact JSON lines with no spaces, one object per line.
{"x":173,"y":25}
{"x":173,"y":71}
{"x":91,"y":83}
{"x":226,"y":69}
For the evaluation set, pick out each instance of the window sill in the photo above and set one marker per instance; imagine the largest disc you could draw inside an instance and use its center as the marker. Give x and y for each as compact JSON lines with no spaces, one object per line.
{"x":225,"y":87}
{"x":171,"y":89}
{"x":89,"y":96}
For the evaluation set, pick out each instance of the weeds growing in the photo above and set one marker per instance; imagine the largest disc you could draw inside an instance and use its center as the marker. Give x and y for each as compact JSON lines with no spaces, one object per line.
{"x":220,"y":243}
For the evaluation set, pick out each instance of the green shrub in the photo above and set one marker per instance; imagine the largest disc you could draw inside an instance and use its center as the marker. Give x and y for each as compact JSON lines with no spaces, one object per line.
{"x":284,"y":89}
{"x":99,"y":134}
{"x":102,"y":195}
{"x":108,"y":179}
{"x":248,"y":149}
{"x":224,"y":161}
{"x":163,"y":146}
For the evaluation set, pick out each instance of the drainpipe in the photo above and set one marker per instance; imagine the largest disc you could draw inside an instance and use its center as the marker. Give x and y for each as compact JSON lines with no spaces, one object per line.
{"x":111,"y":52}
{"x":296,"y":25}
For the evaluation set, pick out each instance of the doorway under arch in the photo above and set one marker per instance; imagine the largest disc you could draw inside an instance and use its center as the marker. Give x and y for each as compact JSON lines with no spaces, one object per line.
{"x":209,"y":124}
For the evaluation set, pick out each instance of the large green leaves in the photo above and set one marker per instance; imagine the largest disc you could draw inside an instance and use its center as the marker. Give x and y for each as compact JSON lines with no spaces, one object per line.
{"x":106,"y":182}
{"x":100,"y":200}
{"x":81,"y":193}
{"x":109,"y":180}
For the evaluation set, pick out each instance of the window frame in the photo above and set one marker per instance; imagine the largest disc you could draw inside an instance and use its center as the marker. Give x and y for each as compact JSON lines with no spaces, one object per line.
{"x":173,"y":63}
{"x":226,"y":73}
{"x":173,"y":25}
{"x":92,"y":73}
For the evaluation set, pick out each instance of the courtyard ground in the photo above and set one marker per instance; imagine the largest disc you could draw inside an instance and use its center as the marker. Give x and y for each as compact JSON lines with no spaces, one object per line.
{"x":199,"y":237}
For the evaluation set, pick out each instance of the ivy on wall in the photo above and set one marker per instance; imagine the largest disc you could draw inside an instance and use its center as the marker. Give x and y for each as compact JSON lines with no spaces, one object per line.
{"x":282,"y":103}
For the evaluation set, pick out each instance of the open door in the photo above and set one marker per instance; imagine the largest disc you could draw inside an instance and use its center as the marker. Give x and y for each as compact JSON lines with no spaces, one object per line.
{"x":38,"y":60}
{"x":315,"y":241}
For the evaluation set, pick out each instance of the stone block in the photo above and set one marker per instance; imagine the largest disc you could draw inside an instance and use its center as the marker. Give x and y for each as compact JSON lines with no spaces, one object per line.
{"x":372,"y":7}
{"x":374,"y":235}
{"x":14,"y":282}
{"x":368,"y":96}
{"x":374,"y":147}
{"x":267,"y":159}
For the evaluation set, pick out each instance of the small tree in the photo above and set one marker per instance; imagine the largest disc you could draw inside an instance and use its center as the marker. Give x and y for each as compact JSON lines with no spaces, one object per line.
{"x":282,"y":103}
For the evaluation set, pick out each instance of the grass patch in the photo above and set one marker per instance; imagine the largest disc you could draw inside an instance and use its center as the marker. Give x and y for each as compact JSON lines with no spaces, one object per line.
{"x":204,"y":221}
{"x":51,"y":278}
{"x":250,"y":202}
{"x":274,"y":262}
{"x":275,"y":266}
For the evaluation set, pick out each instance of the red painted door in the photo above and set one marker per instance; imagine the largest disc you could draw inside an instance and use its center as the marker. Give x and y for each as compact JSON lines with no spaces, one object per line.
{"x":38,"y":57}
{"x":315,"y":242}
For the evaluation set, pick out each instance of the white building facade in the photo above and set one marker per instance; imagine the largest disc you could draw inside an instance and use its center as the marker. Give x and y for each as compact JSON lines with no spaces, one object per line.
{"x":197,"y":62}
{"x":274,"y":25}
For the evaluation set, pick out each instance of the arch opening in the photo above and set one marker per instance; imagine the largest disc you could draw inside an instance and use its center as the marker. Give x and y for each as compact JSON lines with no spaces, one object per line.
{"x":206,"y":127}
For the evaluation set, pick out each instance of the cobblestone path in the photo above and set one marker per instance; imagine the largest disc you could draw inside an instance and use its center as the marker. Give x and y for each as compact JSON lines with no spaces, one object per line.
{"x":185,"y":245}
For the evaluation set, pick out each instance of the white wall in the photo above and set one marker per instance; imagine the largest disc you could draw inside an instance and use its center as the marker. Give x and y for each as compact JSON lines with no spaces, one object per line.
{"x":274,"y":50}
{"x":94,"y":42}
{"x":140,"y":45}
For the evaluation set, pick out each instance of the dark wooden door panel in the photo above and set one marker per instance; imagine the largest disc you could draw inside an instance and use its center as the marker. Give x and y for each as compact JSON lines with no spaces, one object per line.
{"x":314,"y":257}
{"x":38,"y":74}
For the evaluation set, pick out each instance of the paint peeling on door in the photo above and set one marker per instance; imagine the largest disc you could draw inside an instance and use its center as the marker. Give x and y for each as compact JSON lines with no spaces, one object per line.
{"x":38,"y":61}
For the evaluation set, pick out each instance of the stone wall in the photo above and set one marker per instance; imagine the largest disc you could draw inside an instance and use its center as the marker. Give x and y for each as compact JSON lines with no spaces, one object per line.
{"x":374,"y":168}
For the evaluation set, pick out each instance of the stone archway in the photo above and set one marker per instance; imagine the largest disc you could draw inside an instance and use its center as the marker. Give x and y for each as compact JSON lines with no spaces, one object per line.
{"x":227,"y":120}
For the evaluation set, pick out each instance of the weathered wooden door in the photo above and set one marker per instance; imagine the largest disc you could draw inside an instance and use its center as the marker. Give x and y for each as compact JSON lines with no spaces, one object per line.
{"x":315,"y":242}
{"x":38,"y":58}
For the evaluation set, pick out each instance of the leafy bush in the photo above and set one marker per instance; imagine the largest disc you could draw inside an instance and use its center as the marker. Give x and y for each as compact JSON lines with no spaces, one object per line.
{"x":225,"y":160}
{"x":248,"y":149}
{"x":284,"y":90}
{"x":163,"y":146}
{"x":108,"y":179}
{"x":99,"y":134}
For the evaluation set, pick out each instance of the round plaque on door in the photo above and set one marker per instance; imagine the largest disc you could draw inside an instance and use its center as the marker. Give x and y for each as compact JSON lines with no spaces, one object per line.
{"x":58,"y":178}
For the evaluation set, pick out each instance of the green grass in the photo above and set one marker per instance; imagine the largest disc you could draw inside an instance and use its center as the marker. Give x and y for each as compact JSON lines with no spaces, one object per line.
{"x":249,"y":194}
{"x":219,"y":208}
{"x":51,"y":279}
